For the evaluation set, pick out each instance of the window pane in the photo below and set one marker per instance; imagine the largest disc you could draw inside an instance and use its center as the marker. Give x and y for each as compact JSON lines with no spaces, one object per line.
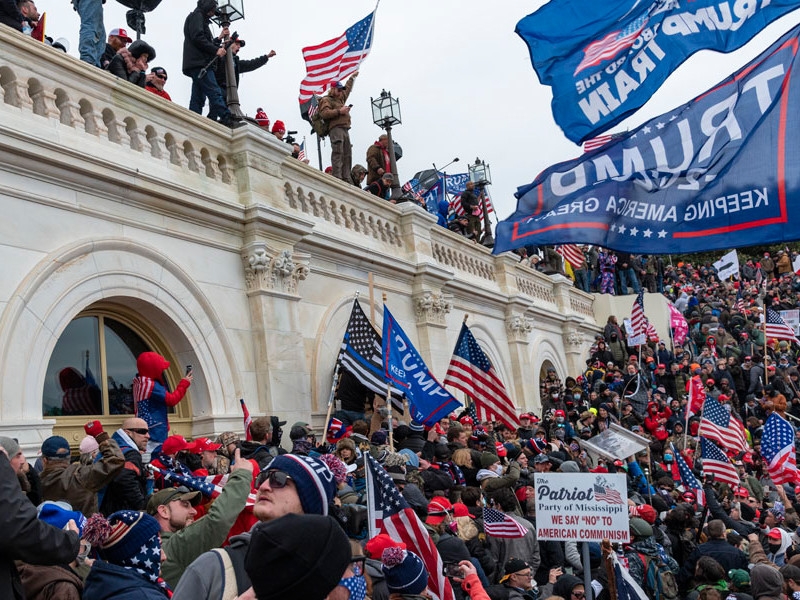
{"x":70,"y":387}
{"x":122,"y":348}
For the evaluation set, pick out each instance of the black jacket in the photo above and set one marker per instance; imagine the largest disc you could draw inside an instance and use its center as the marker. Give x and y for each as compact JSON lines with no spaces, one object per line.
{"x":239,"y":66}
{"x":117,"y":67}
{"x":199,"y":45}
{"x":9,"y":15}
{"x":25,"y":537}
{"x":128,"y":491}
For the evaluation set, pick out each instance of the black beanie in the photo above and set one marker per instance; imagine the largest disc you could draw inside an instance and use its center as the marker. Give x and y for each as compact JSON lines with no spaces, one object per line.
{"x":297,"y":556}
{"x":747,"y":512}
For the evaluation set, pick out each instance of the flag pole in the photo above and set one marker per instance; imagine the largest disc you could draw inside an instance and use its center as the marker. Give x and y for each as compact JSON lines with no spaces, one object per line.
{"x":764,"y":331}
{"x":368,"y":39}
{"x":331,"y":397}
{"x":371,"y":281}
{"x":389,"y":407}
{"x":688,"y":406}
{"x":319,"y":151}
{"x":370,"y":504}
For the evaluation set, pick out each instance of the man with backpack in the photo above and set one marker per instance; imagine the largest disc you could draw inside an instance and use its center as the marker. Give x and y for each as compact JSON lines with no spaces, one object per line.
{"x":649,"y":564}
{"x":336,"y":114}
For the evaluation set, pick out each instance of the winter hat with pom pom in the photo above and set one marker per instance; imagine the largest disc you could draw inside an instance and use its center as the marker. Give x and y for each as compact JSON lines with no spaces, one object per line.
{"x":404,"y":571}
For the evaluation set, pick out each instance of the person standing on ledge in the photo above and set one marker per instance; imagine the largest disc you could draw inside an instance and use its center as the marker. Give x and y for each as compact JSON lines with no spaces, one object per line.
{"x":336,"y":114}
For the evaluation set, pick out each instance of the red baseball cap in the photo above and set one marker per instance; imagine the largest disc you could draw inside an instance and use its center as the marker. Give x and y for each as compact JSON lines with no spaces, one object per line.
{"x":466,"y":420}
{"x":203,"y":445}
{"x":460,"y":510}
{"x":174,"y":444}
{"x":775,"y":534}
{"x":438,"y":509}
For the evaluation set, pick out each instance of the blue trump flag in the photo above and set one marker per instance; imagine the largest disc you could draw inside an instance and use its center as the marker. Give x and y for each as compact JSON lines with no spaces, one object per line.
{"x":605,"y":59}
{"x":404,"y":368}
{"x":721,"y":171}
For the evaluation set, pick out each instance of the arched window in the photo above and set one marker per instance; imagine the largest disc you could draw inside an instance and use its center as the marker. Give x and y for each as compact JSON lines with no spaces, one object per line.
{"x":93,"y":364}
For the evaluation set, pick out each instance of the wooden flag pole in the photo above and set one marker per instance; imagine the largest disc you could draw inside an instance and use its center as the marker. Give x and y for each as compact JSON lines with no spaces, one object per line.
{"x":371,"y":280}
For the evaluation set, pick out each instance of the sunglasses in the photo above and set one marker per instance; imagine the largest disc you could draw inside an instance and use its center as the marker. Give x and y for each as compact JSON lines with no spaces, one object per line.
{"x":161,"y":76}
{"x":139,"y":431}
{"x":277,"y":479}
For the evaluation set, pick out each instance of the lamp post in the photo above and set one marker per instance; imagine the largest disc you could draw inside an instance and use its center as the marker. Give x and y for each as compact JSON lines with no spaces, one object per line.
{"x":443,"y":170}
{"x":386,"y":114}
{"x":481,"y":176}
{"x":229,"y":11}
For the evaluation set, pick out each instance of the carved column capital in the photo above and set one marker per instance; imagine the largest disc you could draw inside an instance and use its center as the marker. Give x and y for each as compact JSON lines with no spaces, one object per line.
{"x":573,"y":341}
{"x":274,"y":271}
{"x":519,"y":328}
{"x":432,"y":307}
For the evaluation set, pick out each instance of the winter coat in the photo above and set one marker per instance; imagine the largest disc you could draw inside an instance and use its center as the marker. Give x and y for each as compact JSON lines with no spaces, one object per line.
{"x":199,"y":46}
{"x":239,"y":67}
{"x":112,"y":582}
{"x":78,"y":484}
{"x":56,"y":582}
{"x":25,"y":537}
{"x":9,"y":14}
{"x":377,"y":158}
{"x":765,"y":582}
{"x":205,"y":577}
{"x":184,"y":546}
{"x":329,"y":107}
{"x":128,"y":490}
{"x":526,"y":547}
{"x":120,"y":66}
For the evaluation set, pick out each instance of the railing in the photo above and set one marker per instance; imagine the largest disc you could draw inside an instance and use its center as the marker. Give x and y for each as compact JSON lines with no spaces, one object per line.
{"x":53,"y":104}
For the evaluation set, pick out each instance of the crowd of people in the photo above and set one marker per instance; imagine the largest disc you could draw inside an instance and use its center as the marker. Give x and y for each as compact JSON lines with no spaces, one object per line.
{"x":143,"y":514}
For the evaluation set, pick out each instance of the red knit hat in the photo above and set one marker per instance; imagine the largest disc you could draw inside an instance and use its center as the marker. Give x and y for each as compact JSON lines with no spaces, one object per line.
{"x":262,"y":118}
{"x":279,"y":127}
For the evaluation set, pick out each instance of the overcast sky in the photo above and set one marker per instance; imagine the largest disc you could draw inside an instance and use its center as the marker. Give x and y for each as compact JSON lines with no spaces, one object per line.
{"x":463,"y":77}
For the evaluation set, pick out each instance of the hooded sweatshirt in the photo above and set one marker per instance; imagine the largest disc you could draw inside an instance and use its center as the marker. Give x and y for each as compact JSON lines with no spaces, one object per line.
{"x":765,"y":582}
{"x":152,"y":396}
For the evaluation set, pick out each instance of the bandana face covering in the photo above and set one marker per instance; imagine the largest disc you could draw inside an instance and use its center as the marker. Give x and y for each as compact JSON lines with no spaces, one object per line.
{"x":356,"y":585}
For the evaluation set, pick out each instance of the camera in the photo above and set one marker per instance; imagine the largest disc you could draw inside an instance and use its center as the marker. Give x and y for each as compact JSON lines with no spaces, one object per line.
{"x":451,"y":569}
{"x":290,"y":139}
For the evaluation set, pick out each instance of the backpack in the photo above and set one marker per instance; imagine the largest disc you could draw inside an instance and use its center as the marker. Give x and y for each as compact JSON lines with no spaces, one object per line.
{"x":659,"y":581}
{"x":235,"y":579}
{"x":318,"y":124}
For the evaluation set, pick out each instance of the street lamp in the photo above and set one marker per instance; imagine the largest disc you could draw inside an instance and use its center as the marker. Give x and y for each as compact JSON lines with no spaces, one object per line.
{"x":229,"y":11}
{"x":386,"y":114}
{"x":481,"y":176}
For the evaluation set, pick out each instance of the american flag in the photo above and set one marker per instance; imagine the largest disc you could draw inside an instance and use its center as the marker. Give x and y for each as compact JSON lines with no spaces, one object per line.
{"x":210,"y":486}
{"x":471,"y":372}
{"x":302,"y":154}
{"x":637,"y":314}
{"x":603,"y":493}
{"x":690,"y":482}
{"x":456,"y":207}
{"x":739,"y":305}
{"x":313,"y":107}
{"x":337,"y":58}
{"x":776,"y":328}
{"x":600,"y":141}
{"x":611,"y":45}
{"x":719,"y":425}
{"x":650,"y":331}
{"x":142,"y":388}
{"x":337,"y":430}
{"x":247,"y":421}
{"x":499,"y":524}
{"x":777,"y":448}
{"x":572,"y":254}
{"x":627,"y":587}
{"x":716,"y":463}
{"x":362,"y":354}
{"x":388,"y":512}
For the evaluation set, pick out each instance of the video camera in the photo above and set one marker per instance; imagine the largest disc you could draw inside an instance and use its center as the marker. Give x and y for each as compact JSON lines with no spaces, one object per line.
{"x":290,"y":139}
{"x":277,"y":432}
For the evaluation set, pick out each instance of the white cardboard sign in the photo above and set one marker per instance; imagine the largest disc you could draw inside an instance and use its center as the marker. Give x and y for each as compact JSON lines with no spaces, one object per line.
{"x":581,"y":507}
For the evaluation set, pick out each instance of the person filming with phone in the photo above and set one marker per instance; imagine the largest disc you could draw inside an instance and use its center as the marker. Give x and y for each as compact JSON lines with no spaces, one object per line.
{"x":335,"y":112}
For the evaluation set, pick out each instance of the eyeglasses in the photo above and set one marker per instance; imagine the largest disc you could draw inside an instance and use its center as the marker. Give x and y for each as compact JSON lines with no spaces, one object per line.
{"x":139,"y":431}
{"x":527,"y":575}
{"x":161,"y":76}
{"x":277,"y":479}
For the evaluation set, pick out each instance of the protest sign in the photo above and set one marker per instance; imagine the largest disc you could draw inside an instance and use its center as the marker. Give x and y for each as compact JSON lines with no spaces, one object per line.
{"x":615,"y":443}
{"x":581,"y":507}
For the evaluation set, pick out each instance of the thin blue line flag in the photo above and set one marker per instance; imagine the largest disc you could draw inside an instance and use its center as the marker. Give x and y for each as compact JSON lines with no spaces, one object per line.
{"x":721,"y":171}
{"x":605,"y":59}
{"x":404,"y":368}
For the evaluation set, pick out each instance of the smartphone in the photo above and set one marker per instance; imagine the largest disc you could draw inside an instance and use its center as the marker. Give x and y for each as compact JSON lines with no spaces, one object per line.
{"x":451,"y":569}
{"x":188,"y":369}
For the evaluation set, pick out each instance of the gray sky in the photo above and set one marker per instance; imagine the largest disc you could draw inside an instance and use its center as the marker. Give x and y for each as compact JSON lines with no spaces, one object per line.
{"x":463,"y":77}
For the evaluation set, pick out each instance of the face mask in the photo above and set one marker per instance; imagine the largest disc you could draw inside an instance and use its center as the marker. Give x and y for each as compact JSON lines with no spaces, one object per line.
{"x":576,"y":396}
{"x":559,"y":419}
{"x":773,"y":548}
{"x":498,"y":469}
{"x":668,"y":458}
{"x":453,"y":527}
{"x":356,"y":585}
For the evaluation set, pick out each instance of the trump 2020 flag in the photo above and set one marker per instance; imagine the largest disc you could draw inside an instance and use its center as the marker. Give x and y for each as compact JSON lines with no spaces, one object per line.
{"x":605,"y":59}
{"x":718,"y":172}
{"x":405,"y":370}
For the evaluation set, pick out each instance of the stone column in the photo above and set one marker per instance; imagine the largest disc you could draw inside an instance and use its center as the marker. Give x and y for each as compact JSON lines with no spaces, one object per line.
{"x":523,"y":387}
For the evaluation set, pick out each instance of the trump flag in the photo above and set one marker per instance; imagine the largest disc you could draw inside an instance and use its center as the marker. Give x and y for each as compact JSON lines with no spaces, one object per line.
{"x":405,"y":370}
{"x":719,"y":171}
{"x":605,"y":59}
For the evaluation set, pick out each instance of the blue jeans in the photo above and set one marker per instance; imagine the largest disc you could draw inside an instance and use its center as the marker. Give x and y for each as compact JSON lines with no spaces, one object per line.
{"x":582,"y":279}
{"x":207,"y":87}
{"x":92,"y":42}
{"x":624,"y":276}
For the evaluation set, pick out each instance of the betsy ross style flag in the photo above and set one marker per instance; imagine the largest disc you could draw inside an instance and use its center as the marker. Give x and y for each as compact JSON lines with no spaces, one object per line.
{"x":361,"y":354}
{"x":717,"y":424}
{"x":776,"y":328}
{"x":499,"y":524}
{"x":389,"y":513}
{"x":777,"y":448}
{"x":716,"y":463}
{"x":336,"y":58}
{"x":471,"y":372}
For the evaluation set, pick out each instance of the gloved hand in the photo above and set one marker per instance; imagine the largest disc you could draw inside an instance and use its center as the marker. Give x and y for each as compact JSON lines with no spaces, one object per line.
{"x":95,"y":429}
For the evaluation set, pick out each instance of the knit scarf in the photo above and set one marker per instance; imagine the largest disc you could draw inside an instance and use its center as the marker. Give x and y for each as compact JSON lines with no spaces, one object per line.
{"x":387,"y":165}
